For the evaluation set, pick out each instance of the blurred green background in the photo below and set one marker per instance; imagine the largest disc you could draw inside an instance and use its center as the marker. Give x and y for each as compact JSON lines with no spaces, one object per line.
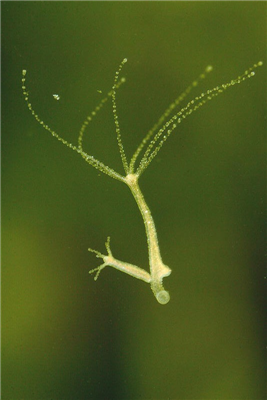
{"x":65,"y":336}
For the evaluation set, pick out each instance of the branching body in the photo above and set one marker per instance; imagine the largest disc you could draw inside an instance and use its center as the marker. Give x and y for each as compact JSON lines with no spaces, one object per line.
{"x":150,"y":146}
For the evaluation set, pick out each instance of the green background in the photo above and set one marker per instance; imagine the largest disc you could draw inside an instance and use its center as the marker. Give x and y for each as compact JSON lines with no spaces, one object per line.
{"x":65,"y":336}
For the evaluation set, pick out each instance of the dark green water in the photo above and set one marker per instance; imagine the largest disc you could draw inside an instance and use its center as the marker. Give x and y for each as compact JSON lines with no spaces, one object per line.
{"x":66,"y":337}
